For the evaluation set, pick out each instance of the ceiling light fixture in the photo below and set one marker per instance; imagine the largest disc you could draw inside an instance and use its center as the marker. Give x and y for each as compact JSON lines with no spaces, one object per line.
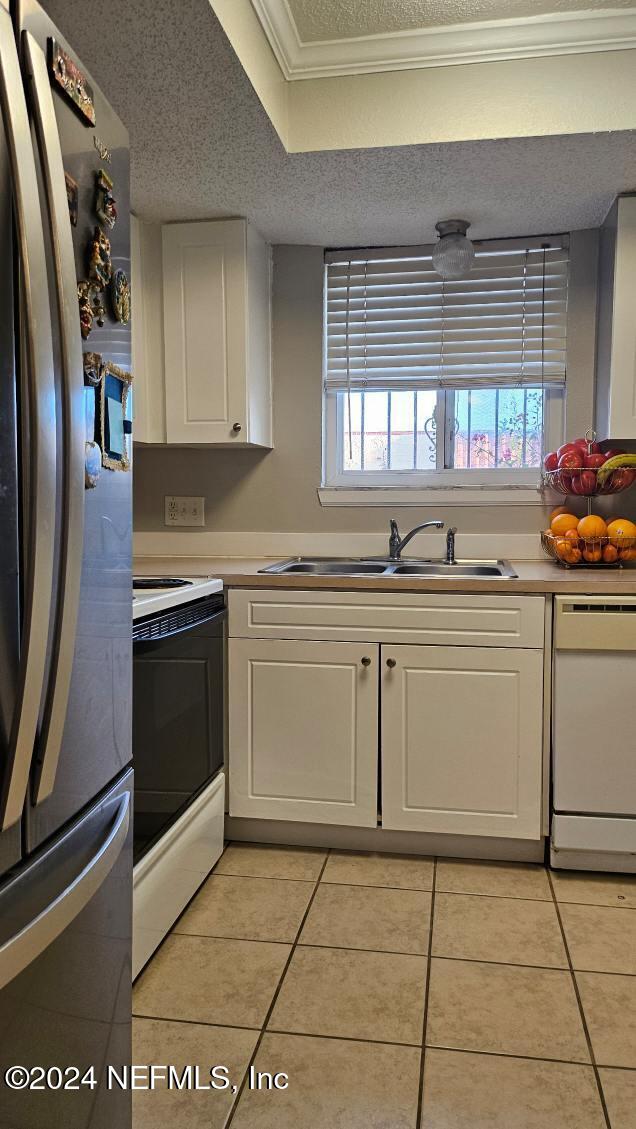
{"x":454,"y":253}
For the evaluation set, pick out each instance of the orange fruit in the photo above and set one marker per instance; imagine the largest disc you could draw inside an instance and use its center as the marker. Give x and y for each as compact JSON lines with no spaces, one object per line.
{"x":573,"y":536}
{"x":592,"y":553}
{"x":621,"y":527}
{"x":563,"y":548}
{"x":562,"y":522}
{"x":627,"y":554}
{"x":575,"y":556}
{"x":558,"y":510}
{"x":592,"y":527}
{"x":610,"y":554}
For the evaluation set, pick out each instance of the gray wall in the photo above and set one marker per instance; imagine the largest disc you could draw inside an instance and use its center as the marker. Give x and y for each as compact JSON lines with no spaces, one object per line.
{"x":276,"y":490}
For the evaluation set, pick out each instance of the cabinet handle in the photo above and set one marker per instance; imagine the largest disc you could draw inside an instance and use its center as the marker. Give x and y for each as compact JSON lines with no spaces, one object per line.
{"x":236,"y":428}
{"x":366,"y":661}
{"x":391,"y":663}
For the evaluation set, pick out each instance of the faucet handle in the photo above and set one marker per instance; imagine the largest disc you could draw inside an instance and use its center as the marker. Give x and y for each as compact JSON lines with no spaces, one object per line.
{"x":393,"y":526}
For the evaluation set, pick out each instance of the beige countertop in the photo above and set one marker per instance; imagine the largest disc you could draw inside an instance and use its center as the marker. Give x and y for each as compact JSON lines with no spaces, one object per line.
{"x":533,"y":576}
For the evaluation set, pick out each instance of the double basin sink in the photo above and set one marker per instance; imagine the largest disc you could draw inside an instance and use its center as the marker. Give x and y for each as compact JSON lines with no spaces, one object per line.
{"x":351,"y":566}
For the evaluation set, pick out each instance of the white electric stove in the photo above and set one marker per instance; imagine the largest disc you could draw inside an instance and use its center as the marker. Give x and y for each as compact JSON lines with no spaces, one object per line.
{"x":178,"y":748}
{"x":158,"y":593}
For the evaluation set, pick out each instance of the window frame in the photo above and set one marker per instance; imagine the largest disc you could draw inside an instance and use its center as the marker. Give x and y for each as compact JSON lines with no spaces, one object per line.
{"x":334,"y":476}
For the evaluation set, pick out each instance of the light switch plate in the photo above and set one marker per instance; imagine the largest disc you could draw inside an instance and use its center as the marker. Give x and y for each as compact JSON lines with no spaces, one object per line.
{"x":180,"y":510}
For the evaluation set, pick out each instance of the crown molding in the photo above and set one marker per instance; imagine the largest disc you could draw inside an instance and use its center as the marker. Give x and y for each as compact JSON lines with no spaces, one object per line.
{"x":566,"y":33}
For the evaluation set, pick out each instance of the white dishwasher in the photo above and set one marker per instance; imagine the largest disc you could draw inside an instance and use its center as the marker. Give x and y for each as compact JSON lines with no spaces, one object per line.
{"x":594,"y":733}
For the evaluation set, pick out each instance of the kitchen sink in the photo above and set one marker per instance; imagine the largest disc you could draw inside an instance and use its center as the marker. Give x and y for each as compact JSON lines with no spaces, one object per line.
{"x":460,"y":570}
{"x":330,"y":568}
{"x":350,"y":566}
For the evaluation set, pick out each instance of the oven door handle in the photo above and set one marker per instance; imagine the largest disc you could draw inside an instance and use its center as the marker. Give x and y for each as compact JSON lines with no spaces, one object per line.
{"x":145,"y":644}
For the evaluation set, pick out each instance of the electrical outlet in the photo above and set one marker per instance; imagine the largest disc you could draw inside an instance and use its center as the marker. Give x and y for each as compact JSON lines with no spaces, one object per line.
{"x":184,"y":511}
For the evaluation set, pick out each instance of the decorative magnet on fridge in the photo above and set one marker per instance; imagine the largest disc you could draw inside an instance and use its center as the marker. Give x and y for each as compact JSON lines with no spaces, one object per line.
{"x":92,"y":464}
{"x":113,"y":427}
{"x":72,"y":82}
{"x":72,"y":197}
{"x":90,"y":307}
{"x":84,"y":292}
{"x":93,"y":368}
{"x":100,"y":267}
{"x":120,"y":296}
{"x":105,"y":203}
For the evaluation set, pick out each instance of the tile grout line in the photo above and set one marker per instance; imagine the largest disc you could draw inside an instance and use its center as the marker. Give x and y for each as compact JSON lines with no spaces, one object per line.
{"x":580,"y":1006}
{"x":375,"y":1042}
{"x":272,"y":1005}
{"x":420,"y":1092}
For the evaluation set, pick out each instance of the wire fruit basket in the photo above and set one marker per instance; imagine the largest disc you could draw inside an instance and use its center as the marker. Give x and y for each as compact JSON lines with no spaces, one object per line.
{"x":574,"y":552}
{"x":584,"y":481}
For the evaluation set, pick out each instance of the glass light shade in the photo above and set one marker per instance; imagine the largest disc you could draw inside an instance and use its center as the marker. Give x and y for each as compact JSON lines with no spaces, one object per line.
{"x":454,"y":253}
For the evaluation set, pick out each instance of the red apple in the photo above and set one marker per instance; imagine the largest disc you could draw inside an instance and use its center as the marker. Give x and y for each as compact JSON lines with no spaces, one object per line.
{"x":564,"y":448}
{"x":551,"y":461}
{"x":621,"y":478}
{"x":587,"y":482}
{"x":594,"y":460}
{"x":571,"y":460}
{"x":585,"y":446}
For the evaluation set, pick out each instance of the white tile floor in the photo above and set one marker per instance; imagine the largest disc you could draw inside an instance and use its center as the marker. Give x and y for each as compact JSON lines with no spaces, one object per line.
{"x":396,"y":993}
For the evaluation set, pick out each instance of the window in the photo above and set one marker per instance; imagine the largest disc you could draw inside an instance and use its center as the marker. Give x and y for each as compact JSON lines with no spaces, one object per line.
{"x":434,"y":382}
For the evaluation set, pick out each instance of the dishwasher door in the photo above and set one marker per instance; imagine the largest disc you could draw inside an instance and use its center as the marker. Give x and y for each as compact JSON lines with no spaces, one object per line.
{"x":594,"y":706}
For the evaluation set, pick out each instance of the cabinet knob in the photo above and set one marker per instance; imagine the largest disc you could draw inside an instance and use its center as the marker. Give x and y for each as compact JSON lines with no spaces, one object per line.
{"x":366,"y":661}
{"x":391,"y":663}
{"x":236,"y":427}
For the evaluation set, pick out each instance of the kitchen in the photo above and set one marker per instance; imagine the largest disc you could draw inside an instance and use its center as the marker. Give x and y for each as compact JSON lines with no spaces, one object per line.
{"x":377,"y":863}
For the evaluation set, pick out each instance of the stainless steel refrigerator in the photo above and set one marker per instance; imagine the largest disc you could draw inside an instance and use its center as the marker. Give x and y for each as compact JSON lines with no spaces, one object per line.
{"x":65,"y":605}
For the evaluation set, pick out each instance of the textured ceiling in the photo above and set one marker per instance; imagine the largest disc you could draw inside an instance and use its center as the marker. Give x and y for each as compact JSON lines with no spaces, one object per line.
{"x":203,"y":147}
{"x":332,"y":19}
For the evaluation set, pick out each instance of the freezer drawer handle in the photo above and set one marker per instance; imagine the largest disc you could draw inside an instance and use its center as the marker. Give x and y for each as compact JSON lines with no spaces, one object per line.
{"x":72,"y":401}
{"x":27,"y":945}
{"x":39,"y":395}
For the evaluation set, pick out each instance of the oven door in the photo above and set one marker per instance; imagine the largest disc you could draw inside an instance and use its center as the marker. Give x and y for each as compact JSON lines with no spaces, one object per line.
{"x":178,"y":704}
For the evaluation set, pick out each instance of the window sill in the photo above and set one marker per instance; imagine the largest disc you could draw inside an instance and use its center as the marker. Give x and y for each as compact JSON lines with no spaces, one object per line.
{"x":405,"y":496}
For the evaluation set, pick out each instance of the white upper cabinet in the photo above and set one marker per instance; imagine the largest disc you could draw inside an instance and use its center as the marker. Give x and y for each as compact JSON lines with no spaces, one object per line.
{"x":616,"y":340}
{"x":202,"y":334}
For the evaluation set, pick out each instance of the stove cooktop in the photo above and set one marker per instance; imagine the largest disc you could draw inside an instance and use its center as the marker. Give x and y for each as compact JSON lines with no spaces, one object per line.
{"x":160,"y":582}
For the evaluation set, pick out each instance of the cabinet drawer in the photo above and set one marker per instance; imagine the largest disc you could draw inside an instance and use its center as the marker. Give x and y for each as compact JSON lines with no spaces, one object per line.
{"x":388,"y":617}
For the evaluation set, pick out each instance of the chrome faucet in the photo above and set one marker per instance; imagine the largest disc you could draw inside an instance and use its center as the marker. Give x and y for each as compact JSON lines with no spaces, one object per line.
{"x":450,"y":545}
{"x":397,"y":543}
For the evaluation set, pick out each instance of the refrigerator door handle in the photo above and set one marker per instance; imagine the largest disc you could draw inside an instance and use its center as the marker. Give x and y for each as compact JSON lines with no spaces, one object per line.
{"x":26,"y":946}
{"x":40,"y":396}
{"x":73,"y":427}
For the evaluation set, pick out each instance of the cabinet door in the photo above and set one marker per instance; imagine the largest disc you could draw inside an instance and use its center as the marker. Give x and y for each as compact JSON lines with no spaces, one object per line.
{"x":462,"y":735}
{"x":204,"y":331}
{"x":303,"y":731}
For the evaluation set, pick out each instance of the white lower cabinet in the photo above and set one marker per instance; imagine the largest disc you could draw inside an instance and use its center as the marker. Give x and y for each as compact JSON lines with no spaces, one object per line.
{"x":462,"y":739}
{"x":303,"y":730}
{"x":454,"y":730}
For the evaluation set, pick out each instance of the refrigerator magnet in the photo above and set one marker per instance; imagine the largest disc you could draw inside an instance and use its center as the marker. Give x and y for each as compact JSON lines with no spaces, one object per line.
{"x":72,"y":197}
{"x":113,"y":427}
{"x":84,"y":291}
{"x":100,"y":266}
{"x":93,"y":368}
{"x":120,"y":296}
{"x":105,"y":203}
{"x":70,"y":80}
{"x":91,"y":307}
{"x":92,"y":464}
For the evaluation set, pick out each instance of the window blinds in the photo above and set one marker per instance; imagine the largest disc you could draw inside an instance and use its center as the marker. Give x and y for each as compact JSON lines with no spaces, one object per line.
{"x":393,"y":322}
